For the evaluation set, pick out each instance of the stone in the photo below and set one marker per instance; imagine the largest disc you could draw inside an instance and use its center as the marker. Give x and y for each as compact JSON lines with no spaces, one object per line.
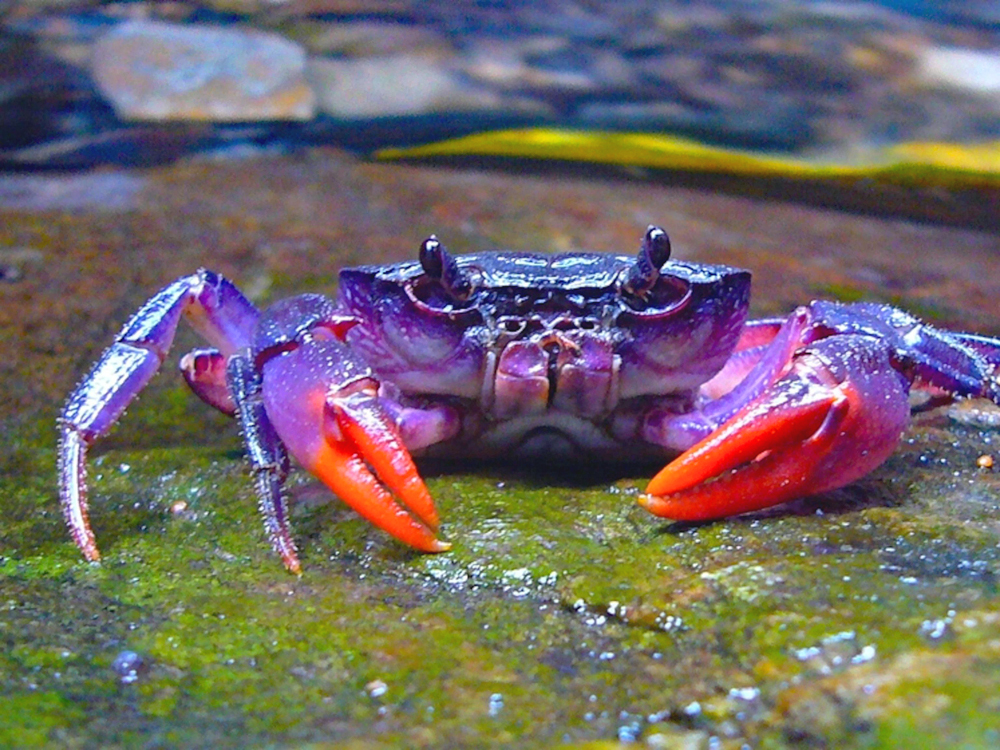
{"x":159,"y":71}
{"x":526,"y":65}
{"x":392,"y":85}
{"x":367,"y":38}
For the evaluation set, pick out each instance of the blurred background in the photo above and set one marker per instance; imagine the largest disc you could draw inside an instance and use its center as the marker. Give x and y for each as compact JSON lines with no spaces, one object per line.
{"x":84,"y":82}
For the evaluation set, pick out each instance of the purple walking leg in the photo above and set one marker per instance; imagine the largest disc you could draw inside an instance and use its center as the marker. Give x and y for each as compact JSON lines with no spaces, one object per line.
{"x":212,"y":305}
{"x":267,"y":454}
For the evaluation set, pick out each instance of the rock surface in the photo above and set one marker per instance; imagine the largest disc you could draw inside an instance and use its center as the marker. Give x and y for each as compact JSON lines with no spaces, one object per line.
{"x":564,"y":613}
{"x":392,"y":85}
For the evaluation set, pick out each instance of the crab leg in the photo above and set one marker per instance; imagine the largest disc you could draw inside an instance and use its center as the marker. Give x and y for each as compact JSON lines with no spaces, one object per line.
{"x":836,"y":414}
{"x":213,"y":306}
{"x":267,"y":455}
{"x":204,"y":370}
{"x":753,"y":345}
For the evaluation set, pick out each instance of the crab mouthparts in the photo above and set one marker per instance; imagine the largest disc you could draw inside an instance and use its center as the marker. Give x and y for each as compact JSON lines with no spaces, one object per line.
{"x":560,"y":351}
{"x":529,"y":372}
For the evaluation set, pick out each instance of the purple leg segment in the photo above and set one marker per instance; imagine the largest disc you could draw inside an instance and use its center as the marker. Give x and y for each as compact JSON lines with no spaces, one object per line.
{"x":958,"y":364}
{"x":267,"y":455}
{"x":423,"y":426}
{"x":214,"y":307}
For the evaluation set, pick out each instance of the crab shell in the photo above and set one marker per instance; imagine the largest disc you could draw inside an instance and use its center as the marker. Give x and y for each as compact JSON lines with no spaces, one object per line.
{"x":545,"y":349}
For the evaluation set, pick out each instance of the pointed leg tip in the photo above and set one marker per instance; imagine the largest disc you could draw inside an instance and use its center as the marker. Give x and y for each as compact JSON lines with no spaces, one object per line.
{"x":90,"y":552}
{"x":439,"y":546}
{"x":292,"y":565}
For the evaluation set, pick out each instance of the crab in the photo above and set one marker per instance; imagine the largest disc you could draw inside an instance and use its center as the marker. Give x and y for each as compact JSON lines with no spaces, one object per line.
{"x":520,"y":355}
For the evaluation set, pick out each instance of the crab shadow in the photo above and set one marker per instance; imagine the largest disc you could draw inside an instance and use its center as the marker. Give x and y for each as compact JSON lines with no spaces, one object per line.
{"x":872,"y":492}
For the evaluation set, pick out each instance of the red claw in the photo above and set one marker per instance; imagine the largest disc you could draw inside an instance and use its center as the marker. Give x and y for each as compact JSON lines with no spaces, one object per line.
{"x":358,"y":435}
{"x":819,"y":427}
{"x":754,"y":461}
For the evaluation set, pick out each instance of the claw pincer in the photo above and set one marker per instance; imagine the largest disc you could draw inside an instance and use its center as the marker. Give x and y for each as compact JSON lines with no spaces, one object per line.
{"x":836,"y":414}
{"x":324,"y":403}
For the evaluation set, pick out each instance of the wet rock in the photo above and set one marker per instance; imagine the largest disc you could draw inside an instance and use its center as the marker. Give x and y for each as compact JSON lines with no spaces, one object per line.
{"x":299,"y":8}
{"x":41,"y":97}
{"x":128,"y":665}
{"x":392,"y":86}
{"x":508,"y":65}
{"x":160,"y":71}
{"x":124,"y":146}
{"x":568,"y":19}
{"x":605,"y":70}
{"x":722,"y":634}
{"x":774,"y":125}
{"x":820,"y":78}
{"x":496,"y":62}
{"x":13,"y":262}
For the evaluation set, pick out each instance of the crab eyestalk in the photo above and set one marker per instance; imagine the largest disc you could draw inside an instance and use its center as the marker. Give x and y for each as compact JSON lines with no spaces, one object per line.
{"x":654,"y":252}
{"x":441,"y":266}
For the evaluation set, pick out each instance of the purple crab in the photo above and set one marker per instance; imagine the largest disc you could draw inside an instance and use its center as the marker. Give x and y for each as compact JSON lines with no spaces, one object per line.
{"x":521,"y":355}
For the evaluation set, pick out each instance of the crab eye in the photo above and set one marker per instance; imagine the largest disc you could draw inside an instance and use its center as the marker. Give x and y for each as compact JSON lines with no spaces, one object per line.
{"x":653,"y":253}
{"x":444,"y":288}
{"x":645,"y":288}
{"x":440,"y":266}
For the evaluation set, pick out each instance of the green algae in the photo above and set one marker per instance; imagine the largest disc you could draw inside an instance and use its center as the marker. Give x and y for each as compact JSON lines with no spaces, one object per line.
{"x":563,"y":613}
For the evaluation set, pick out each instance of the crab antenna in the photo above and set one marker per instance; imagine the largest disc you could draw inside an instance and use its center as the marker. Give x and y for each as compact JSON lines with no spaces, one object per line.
{"x":441,"y":265}
{"x":654,"y":252}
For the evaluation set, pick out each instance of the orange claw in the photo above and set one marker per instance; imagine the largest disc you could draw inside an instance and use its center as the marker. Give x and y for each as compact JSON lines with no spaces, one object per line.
{"x":358,"y":434}
{"x":767,"y":454}
{"x":376,"y":436}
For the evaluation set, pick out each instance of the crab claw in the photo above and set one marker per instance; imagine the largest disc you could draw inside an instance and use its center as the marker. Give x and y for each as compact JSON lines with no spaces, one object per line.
{"x":837,"y":413}
{"x":360,"y":435}
{"x":323,"y":403}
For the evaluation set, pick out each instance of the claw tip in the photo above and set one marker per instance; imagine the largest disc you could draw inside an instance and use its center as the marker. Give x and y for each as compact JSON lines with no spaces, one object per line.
{"x":648,"y":502}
